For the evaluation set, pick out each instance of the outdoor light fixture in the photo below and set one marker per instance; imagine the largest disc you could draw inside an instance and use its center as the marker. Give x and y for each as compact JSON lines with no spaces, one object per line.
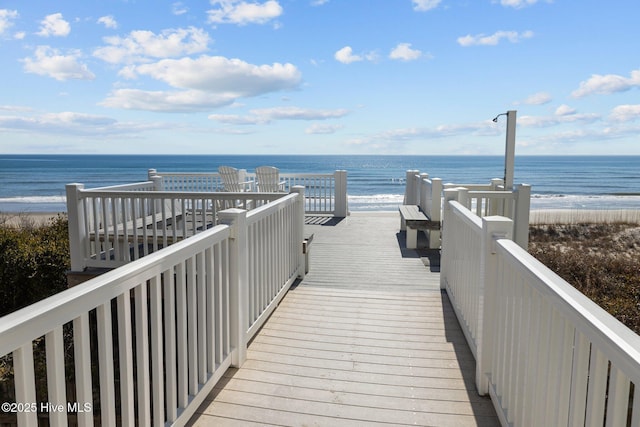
{"x":495,"y":119}
{"x":510,"y":147}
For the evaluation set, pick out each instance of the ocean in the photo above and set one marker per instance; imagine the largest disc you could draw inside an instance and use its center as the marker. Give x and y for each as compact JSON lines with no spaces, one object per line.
{"x":36,"y":183}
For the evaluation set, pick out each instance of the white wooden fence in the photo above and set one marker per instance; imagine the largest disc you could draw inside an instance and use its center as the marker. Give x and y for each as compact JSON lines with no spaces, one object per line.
{"x":483,"y":199}
{"x":324,"y":193}
{"x":546,"y":354}
{"x":111,"y":226}
{"x":159,"y":331}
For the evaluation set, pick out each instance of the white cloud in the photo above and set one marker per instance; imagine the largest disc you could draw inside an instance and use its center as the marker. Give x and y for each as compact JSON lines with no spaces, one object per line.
{"x":519,"y":3}
{"x":141,"y":46}
{"x":108,"y":21}
{"x":217,"y":74}
{"x":424,"y":5}
{"x":539,"y":98}
{"x":207,"y":82}
{"x":563,"y":114}
{"x":167,"y":101}
{"x":625,"y":113}
{"x":6,"y":19}
{"x":607,"y":84}
{"x":178,"y":8}
{"x":319,"y":2}
{"x":494,"y":39}
{"x":54,"y":25}
{"x":242,"y":13}
{"x":50,"y":62}
{"x":75,"y":124}
{"x":346,"y":56}
{"x":268,"y":115}
{"x":565,"y":110}
{"x":404,"y":52}
{"x":322,"y":129}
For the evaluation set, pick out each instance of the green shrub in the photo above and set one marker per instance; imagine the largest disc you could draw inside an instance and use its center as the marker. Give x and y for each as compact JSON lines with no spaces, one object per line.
{"x":600,"y":260}
{"x":33,"y":263}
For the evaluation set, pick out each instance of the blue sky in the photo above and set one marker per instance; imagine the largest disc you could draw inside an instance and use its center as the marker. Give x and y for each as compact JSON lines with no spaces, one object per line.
{"x":319,"y":76}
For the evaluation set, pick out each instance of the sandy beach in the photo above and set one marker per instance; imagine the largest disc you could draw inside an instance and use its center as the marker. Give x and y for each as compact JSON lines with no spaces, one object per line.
{"x":19,"y":219}
{"x":584,"y":216}
{"x":546,"y":216}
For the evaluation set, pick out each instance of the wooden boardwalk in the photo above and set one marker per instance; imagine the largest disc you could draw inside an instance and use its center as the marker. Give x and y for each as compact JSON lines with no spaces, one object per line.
{"x":366,"y":339}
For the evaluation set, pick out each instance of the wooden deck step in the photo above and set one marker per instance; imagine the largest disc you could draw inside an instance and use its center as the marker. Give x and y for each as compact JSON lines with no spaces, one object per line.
{"x":366,"y":339}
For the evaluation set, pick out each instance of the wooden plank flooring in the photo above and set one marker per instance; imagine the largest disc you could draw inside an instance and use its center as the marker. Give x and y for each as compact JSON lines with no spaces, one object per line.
{"x":366,"y":339}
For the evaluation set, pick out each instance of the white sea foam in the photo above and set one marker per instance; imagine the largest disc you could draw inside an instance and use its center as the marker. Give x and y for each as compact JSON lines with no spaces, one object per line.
{"x":34,"y":199}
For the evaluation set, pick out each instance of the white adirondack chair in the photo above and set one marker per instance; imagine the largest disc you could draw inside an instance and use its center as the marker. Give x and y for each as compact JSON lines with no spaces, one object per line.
{"x":268,"y":179}
{"x":231,"y":180}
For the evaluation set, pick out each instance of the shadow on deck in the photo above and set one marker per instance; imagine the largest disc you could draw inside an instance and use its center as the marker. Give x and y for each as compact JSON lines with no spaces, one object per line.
{"x":367,"y":338}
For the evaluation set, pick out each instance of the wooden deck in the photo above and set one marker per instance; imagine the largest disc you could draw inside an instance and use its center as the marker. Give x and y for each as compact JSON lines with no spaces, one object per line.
{"x":366,"y":339}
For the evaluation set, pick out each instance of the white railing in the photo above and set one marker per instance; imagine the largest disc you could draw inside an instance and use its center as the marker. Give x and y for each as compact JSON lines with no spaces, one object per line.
{"x":545,"y":353}
{"x":111,"y":226}
{"x":483,"y":199}
{"x":166,"y":326}
{"x":460,"y":266}
{"x":324,"y":193}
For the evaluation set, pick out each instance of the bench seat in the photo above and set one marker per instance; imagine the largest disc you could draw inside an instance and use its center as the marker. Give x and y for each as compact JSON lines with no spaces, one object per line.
{"x":413,"y":219}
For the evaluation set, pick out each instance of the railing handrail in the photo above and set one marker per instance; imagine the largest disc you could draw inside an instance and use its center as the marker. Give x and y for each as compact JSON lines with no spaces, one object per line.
{"x":580,"y":360}
{"x":136,"y":186}
{"x":37,"y":319}
{"x":621,"y":344}
{"x":326,"y":193}
{"x":192,"y":307}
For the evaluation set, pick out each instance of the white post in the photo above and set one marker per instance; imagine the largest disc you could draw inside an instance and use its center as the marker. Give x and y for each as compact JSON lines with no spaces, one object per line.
{"x":150,"y":173}
{"x":410,"y":188}
{"x":77,"y":218}
{"x":510,"y":149}
{"x":521,"y":216}
{"x":341,"y":201}
{"x":436,"y":212}
{"x":493,"y":228}
{"x":422,"y":191}
{"x":299,"y":230}
{"x":449,"y":195}
{"x":238,"y":282}
{"x":496,"y":206}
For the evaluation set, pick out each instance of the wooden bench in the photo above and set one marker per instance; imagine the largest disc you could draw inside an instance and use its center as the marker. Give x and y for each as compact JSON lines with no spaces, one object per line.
{"x":413,"y":219}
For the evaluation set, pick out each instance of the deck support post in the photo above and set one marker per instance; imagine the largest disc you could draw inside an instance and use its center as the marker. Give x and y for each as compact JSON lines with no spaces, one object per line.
{"x":299,"y":230}
{"x":521,"y":216}
{"x":493,"y":228}
{"x":341,"y":204}
{"x":76,"y":217}
{"x":435,"y":212}
{"x":410,"y":195}
{"x":450,"y":194}
{"x":238,"y":282}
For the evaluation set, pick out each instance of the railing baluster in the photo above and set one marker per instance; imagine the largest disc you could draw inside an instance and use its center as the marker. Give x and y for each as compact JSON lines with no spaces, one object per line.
{"x":202,"y":317}
{"x":156,"y":350}
{"x":181,"y":333}
{"x":211,"y":267}
{"x":55,"y":377}
{"x":126,"y":359}
{"x":597,"y":389}
{"x":24,"y":379}
{"x":171,"y":387}
{"x":142,"y":354}
{"x":192,"y":328}
{"x":82,"y":364}
{"x":105,"y":362}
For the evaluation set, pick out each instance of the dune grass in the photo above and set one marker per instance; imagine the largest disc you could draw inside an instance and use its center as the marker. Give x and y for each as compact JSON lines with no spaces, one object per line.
{"x":600,"y":259}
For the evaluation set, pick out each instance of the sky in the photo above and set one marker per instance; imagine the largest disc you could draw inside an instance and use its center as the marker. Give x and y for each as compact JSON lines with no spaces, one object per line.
{"x":423,"y":77}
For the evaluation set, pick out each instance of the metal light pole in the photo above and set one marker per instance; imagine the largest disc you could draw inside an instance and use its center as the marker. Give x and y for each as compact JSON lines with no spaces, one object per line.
{"x":510,"y":148}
